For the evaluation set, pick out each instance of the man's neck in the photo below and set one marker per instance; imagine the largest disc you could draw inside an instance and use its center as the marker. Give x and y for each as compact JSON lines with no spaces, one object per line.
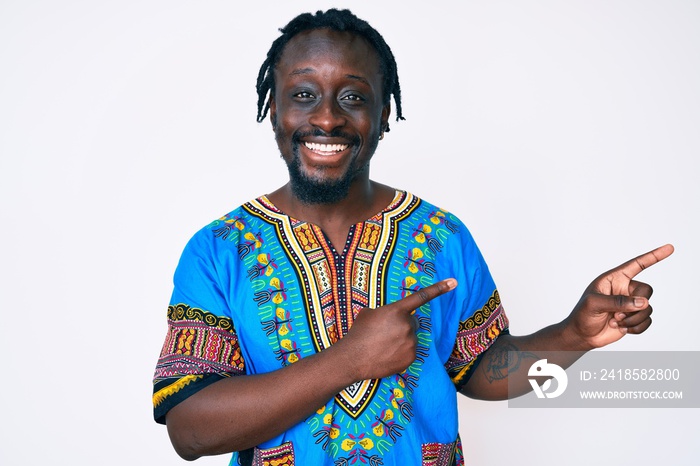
{"x":364,"y":200}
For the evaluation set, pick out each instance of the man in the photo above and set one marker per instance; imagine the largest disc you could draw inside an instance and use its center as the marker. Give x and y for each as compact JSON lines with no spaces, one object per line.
{"x":333,"y":320}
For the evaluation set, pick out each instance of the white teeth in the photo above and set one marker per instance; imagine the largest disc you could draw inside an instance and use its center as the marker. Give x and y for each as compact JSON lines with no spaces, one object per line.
{"x":325,"y":148}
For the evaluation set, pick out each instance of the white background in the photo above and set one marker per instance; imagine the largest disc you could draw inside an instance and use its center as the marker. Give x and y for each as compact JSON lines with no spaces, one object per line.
{"x":564,"y":133}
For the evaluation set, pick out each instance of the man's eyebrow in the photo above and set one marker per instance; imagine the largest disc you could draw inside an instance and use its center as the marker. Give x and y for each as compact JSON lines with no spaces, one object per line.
{"x":300,"y":71}
{"x":358,"y":78}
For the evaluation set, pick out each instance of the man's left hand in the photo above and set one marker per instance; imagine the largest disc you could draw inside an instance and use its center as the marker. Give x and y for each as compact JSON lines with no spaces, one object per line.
{"x":615,"y":304}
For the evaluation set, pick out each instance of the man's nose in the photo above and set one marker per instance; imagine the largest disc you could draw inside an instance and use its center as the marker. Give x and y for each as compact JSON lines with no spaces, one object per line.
{"x":328,"y":116}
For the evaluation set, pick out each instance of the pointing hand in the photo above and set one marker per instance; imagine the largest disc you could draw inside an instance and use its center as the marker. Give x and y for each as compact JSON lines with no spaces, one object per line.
{"x":615,"y":304}
{"x":383,"y":340}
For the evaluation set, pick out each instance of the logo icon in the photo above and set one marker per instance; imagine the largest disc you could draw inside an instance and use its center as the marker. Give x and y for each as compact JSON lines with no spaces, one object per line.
{"x":542,"y":368}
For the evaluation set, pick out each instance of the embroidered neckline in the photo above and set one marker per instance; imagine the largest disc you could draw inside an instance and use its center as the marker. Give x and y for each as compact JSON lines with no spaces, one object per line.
{"x":399,"y":196}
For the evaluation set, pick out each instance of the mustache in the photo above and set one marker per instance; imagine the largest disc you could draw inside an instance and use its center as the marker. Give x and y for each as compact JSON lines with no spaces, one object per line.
{"x":336,"y":133}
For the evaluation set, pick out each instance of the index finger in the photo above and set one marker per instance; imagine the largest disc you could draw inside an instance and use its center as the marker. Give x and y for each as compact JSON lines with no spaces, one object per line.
{"x":422,"y":296}
{"x":633,"y":266}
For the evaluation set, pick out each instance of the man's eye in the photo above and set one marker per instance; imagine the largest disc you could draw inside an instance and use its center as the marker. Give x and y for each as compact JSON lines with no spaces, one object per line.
{"x":353,"y":97}
{"x":304,"y":95}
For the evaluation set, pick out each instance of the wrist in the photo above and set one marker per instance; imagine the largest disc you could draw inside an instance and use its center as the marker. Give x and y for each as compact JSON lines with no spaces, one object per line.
{"x":571,"y":336}
{"x":345,"y":363}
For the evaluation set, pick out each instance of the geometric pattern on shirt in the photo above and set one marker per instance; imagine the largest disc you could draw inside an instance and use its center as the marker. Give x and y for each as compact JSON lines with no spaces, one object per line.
{"x":394,"y":409}
{"x":474,"y":336}
{"x":438,"y":454}
{"x":386,"y":418}
{"x":338,"y":285}
{"x":197,"y":342}
{"x":282,"y":455}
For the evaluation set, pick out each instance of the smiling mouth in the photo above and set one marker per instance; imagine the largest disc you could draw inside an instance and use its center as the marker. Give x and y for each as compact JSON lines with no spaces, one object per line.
{"x":325,"y":149}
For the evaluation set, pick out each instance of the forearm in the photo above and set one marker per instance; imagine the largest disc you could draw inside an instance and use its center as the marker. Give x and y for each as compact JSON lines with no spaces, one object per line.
{"x":612,"y":306}
{"x":503,"y":370}
{"x":240,"y":412}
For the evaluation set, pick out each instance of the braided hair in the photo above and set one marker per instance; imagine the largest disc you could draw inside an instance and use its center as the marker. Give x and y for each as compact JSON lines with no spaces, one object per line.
{"x":336,"y":20}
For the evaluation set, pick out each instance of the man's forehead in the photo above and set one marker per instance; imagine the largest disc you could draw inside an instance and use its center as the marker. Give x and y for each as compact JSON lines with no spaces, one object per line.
{"x":325,"y":41}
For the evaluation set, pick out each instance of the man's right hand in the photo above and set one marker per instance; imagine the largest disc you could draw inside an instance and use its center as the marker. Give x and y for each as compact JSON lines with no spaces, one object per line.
{"x":382,"y":341}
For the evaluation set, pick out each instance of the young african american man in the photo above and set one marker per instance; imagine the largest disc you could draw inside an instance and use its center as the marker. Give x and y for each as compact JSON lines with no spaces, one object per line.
{"x":333,"y":320}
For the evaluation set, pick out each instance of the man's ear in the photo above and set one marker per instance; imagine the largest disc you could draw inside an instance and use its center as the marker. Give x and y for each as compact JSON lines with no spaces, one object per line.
{"x":273,"y":112}
{"x":386,"y":112}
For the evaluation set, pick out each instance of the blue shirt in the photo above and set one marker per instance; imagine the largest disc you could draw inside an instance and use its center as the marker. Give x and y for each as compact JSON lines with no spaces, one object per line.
{"x":257,"y":290}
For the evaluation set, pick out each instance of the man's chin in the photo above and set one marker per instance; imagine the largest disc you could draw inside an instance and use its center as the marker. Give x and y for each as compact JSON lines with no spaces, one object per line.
{"x":318,"y":188}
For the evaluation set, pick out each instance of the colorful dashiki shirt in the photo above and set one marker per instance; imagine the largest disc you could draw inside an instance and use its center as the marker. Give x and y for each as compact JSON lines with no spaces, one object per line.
{"x":257,"y":290}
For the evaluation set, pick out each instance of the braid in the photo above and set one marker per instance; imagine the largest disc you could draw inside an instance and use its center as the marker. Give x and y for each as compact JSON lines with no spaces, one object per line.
{"x":337,"y":20}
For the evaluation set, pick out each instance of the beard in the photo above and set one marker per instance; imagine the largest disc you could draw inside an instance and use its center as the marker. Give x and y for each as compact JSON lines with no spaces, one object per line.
{"x":314,"y":191}
{"x":311,"y":190}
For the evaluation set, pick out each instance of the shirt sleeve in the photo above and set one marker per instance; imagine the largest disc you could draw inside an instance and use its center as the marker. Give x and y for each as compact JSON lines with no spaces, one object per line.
{"x":201,"y":346}
{"x":482,"y":318}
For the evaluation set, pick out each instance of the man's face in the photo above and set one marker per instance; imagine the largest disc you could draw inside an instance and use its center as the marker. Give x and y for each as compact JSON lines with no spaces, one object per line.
{"x":327,"y":112}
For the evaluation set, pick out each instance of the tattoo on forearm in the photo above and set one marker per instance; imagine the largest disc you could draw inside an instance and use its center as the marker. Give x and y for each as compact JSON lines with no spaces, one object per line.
{"x":503,"y":359}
